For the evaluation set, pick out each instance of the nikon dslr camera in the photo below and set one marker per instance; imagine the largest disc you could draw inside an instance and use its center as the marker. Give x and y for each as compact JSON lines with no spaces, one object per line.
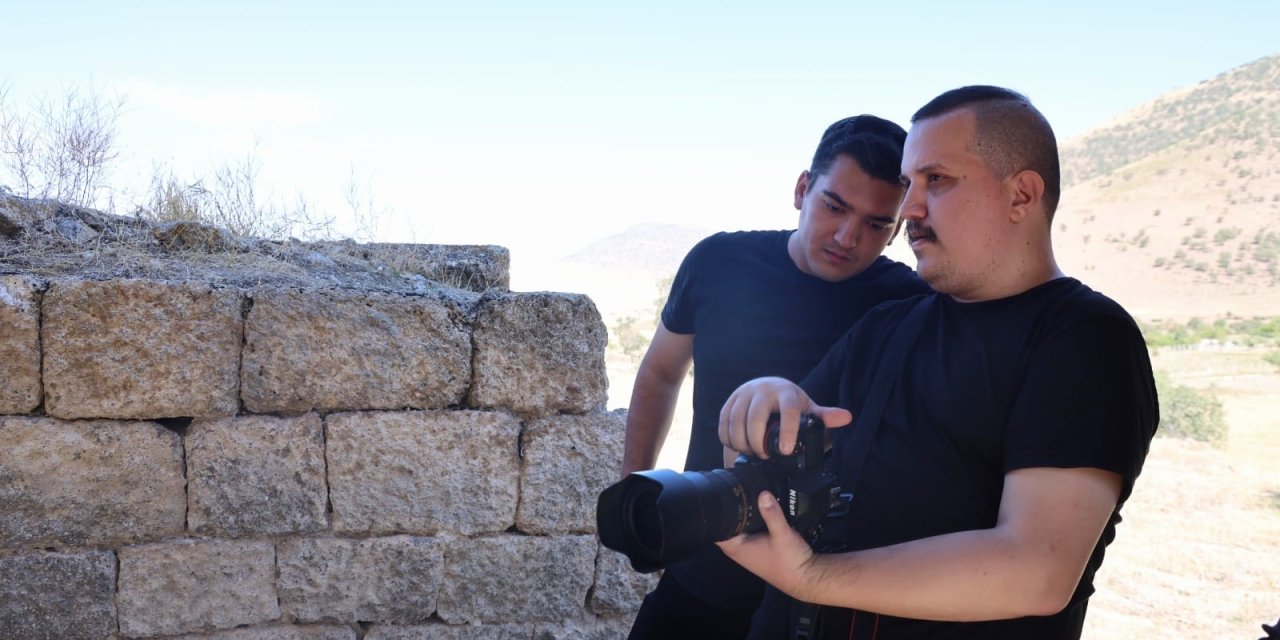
{"x":658,"y":517}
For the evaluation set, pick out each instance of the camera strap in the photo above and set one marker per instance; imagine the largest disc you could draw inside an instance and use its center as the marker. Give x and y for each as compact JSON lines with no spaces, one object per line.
{"x":807,"y":618}
{"x":890,"y":370}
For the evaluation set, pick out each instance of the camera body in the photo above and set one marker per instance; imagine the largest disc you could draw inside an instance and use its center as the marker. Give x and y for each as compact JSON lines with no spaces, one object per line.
{"x":662,"y":516}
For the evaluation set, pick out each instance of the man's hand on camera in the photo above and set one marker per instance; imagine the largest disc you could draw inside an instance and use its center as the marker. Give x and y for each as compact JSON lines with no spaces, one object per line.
{"x":745,"y":415}
{"x":779,"y":556}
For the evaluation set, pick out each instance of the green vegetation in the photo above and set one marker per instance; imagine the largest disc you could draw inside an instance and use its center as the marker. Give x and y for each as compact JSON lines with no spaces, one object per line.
{"x":1273,"y":358}
{"x":1190,"y":413}
{"x":1249,"y":332}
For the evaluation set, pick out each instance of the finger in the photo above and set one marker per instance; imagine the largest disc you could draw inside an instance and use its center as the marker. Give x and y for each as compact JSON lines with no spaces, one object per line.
{"x":757,"y":423}
{"x":791,"y":405}
{"x":736,"y":435}
{"x":833,"y":417}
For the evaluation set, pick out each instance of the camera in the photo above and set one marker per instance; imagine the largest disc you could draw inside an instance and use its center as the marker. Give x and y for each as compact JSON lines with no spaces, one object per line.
{"x":662,"y":516}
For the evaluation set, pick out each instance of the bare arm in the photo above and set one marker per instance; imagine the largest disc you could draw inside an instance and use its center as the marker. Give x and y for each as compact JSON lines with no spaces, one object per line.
{"x":1028,"y":564}
{"x":653,"y":398}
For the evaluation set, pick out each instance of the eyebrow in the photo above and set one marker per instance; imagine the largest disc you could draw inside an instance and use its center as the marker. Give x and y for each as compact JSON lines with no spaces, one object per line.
{"x":840,"y":201}
{"x":921,"y":169}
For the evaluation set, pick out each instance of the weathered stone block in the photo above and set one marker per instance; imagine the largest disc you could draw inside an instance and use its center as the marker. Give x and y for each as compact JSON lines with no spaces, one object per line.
{"x":256,"y":476}
{"x":68,"y":596}
{"x":392,"y":580}
{"x":189,"y":586}
{"x":340,"y":350}
{"x":439,"y":631}
{"x":539,"y":353}
{"x":618,"y":587}
{"x":19,"y":344}
{"x":140,"y":349}
{"x":471,"y":267}
{"x":568,"y":460}
{"x":277,"y":632}
{"x":507,"y":577}
{"x":88,"y":483}
{"x":423,"y":472}
{"x":587,"y":628}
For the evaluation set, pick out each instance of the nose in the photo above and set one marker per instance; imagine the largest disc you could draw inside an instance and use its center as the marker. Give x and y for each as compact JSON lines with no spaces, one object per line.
{"x":913,"y":203}
{"x":847,"y":233}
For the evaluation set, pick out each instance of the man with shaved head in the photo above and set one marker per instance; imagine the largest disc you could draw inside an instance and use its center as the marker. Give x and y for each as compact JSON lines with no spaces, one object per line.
{"x":1000,"y":422}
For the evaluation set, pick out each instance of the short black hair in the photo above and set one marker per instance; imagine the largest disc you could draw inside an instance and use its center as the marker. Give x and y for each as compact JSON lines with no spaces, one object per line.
{"x":1012,"y":135}
{"x":874,"y":143}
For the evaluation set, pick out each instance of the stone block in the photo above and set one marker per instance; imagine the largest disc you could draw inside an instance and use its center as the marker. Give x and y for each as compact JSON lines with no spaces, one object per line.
{"x":538,"y":354}
{"x":141,"y":349}
{"x":69,"y":596}
{"x":586,"y":628}
{"x":440,"y":631}
{"x":191,"y":586}
{"x":88,"y":483}
{"x":422,"y":472}
{"x":509,"y":577}
{"x":277,"y":632}
{"x":472,"y":267}
{"x":256,"y":476}
{"x":567,"y":461}
{"x":386,"y":580}
{"x":336,"y":350}
{"x":618,"y":587}
{"x":19,"y":344}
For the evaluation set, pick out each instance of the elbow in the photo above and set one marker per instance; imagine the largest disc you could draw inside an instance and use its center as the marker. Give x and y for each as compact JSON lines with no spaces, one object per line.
{"x":1050,"y":595}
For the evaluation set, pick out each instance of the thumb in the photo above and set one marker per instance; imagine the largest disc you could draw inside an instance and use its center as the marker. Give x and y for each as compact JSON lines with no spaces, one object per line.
{"x":833,"y":417}
{"x":771,"y":513}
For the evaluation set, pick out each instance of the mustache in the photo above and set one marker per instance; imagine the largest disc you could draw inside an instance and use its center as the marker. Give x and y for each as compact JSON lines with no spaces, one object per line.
{"x":915,"y":231}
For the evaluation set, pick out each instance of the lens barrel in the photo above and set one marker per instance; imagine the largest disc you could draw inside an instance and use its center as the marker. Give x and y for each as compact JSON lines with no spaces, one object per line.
{"x":659,"y":517}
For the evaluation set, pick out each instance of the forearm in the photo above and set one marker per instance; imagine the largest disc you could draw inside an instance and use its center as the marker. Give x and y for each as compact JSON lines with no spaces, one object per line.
{"x":971,"y":575}
{"x":1029,"y":563}
{"x":648,"y":421}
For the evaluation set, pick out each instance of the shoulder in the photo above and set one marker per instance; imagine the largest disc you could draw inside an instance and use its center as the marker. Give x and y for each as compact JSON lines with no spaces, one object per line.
{"x":1070,"y":308}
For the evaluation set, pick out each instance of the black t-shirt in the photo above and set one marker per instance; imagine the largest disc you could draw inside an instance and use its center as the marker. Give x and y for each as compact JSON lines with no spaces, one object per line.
{"x":1057,"y":376}
{"x":753,"y":313}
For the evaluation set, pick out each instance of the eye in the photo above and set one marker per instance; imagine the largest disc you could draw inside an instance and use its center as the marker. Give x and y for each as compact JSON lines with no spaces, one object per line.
{"x":832,"y":207}
{"x":934,"y":177}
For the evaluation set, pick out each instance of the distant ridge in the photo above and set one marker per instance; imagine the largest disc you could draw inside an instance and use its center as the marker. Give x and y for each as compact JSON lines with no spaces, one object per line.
{"x":1240,"y":105}
{"x":643,"y":247}
{"x":1173,"y":208}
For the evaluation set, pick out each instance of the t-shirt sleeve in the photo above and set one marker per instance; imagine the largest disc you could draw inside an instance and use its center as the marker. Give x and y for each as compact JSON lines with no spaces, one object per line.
{"x":1087,"y":400}
{"x":678,"y":314}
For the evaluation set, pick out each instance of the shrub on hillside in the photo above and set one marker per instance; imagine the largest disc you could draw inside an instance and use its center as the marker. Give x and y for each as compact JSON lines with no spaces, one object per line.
{"x":1190,"y":413}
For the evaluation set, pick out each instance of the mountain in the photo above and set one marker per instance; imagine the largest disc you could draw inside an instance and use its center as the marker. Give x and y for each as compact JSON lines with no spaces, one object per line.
{"x":643,"y":247}
{"x":1173,"y":208}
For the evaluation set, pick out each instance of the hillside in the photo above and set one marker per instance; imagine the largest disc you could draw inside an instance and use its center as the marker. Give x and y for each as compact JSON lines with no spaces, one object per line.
{"x":1174,"y":207}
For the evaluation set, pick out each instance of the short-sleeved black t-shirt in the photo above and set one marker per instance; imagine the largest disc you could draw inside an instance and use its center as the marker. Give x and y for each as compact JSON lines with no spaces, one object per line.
{"x":753,"y":313}
{"x":1057,"y":376}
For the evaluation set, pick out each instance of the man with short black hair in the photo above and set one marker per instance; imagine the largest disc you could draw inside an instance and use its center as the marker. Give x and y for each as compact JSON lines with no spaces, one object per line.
{"x":1015,"y":409}
{"x":748,"y":303}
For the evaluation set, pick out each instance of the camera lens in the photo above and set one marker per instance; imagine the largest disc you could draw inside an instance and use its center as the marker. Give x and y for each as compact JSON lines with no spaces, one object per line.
{"x":659,"y":517}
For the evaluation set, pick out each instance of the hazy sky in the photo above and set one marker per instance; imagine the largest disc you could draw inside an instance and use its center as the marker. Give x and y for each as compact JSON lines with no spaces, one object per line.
{"x":541,"y":126}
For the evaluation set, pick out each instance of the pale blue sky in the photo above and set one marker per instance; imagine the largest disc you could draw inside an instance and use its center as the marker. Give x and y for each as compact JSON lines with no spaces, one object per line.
{"x":541,"y":126}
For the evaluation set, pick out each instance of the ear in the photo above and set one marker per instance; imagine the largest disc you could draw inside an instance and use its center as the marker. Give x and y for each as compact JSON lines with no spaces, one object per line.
{"x":802,"y":187}
{"x":1026,"y":195}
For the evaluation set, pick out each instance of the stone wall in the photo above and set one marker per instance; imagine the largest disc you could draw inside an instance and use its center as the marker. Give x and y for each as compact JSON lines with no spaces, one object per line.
{"x":192,"y":460}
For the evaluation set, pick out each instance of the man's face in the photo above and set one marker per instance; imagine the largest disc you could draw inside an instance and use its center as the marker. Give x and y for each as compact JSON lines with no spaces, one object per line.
{"x":846,"y":219}
{"x":955,"y":208}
